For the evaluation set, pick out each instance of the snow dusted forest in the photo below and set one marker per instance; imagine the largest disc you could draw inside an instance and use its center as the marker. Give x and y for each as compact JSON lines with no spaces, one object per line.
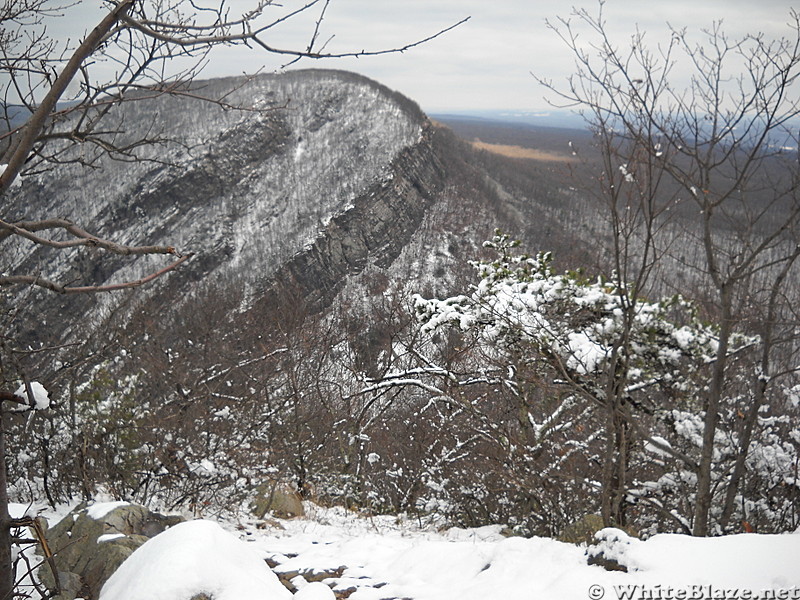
{"x":292,"y":309}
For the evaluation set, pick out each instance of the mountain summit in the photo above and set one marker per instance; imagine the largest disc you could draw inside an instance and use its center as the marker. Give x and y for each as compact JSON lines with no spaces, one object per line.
{"x":301,"y":177}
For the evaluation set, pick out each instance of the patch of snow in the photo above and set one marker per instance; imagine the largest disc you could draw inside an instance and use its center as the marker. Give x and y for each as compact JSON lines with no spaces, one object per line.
{"x":41,"y":399}
{"x":662,"y":443}
{"x":223,"y":413}
{"x":315,"y":591}
{"x":98,"y":510}
{"x":205,"y":468}
{"x":625,"y":173}
{"x":17,"y":510}
{"x":747,"y":560}
{"x":387,"y":556}
{"x":17,"y":181}
{"x":192,"y":558}
{"x":107,"y":537}
{"x":585,"y":353}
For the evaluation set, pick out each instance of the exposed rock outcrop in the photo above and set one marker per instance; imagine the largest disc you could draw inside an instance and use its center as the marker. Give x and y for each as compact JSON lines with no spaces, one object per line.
{"x":91,"y":542}
{"x":279,"y":499}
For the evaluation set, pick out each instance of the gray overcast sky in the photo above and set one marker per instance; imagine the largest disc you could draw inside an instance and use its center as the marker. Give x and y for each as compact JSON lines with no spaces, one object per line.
{"x":486,"y":62}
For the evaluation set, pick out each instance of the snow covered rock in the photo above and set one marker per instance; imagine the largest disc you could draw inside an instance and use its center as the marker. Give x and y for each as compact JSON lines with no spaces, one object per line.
{"x":91,"y":542}
{"x":611,"y":550}
{"x":296,"y":579}
{"x":192,"y":560}
{"x":315,"y":591}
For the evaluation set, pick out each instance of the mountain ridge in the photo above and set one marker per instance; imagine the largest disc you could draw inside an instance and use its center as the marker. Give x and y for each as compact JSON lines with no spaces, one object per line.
{"x":323,"y":189}
{"x":251,"y":188}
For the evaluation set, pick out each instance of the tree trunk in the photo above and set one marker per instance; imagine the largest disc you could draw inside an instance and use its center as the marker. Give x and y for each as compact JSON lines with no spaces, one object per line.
{"x":760,"y":392}
{"x":703,"y":490}
{"x":744,"y":446}
{"x":621,"y":489}
{"x":607,"y":488}
{"x":6,"y":566}
{"x":615,"y":471}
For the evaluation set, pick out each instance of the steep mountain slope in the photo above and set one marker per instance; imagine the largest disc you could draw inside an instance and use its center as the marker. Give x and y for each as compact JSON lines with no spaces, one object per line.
{"x":289,"y":181}
{"x":311,"y":173}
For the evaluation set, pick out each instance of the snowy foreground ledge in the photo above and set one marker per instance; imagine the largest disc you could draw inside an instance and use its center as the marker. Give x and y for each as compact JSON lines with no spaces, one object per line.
{"x":189,"y":559}
{"x":387,"y":558}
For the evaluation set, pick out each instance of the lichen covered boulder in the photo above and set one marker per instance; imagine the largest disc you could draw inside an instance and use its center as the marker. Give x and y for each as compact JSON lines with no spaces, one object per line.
{"x":582,"y":531}
{"x":91,"y":542}
{"x":279,"y":499}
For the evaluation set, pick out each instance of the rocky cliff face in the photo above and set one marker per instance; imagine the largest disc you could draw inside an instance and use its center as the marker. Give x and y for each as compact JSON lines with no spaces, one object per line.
{"x":312,"y":175}
{"x":376,"y":227}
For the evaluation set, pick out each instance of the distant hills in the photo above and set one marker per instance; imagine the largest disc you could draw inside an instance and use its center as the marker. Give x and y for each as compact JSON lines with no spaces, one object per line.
{"x":553,"y":118}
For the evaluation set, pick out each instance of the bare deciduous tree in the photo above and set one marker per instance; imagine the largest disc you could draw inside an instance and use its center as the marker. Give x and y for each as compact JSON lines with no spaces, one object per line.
{"x":727,"y":149}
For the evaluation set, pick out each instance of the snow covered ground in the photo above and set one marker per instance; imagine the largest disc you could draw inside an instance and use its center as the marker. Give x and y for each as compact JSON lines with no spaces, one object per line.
{"x":481,"y":564}
{"x":387,"y":557}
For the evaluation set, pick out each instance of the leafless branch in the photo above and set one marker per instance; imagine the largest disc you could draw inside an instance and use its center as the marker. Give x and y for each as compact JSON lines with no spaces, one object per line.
{"x":89,"y":289}
{"x":27,"y":229}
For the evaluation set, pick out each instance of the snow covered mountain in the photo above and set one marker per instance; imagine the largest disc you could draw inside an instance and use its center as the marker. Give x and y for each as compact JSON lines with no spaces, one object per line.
{"x":316,"y":204}
{"x":298,"y":194}
{"x":311,"y":174}
{"x":291,"y":181}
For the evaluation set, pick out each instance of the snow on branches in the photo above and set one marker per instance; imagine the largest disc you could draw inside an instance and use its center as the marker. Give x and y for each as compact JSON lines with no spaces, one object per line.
{"x":31,"y":396}
{"x":640,"y":369}
{"x":584,"y":328}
